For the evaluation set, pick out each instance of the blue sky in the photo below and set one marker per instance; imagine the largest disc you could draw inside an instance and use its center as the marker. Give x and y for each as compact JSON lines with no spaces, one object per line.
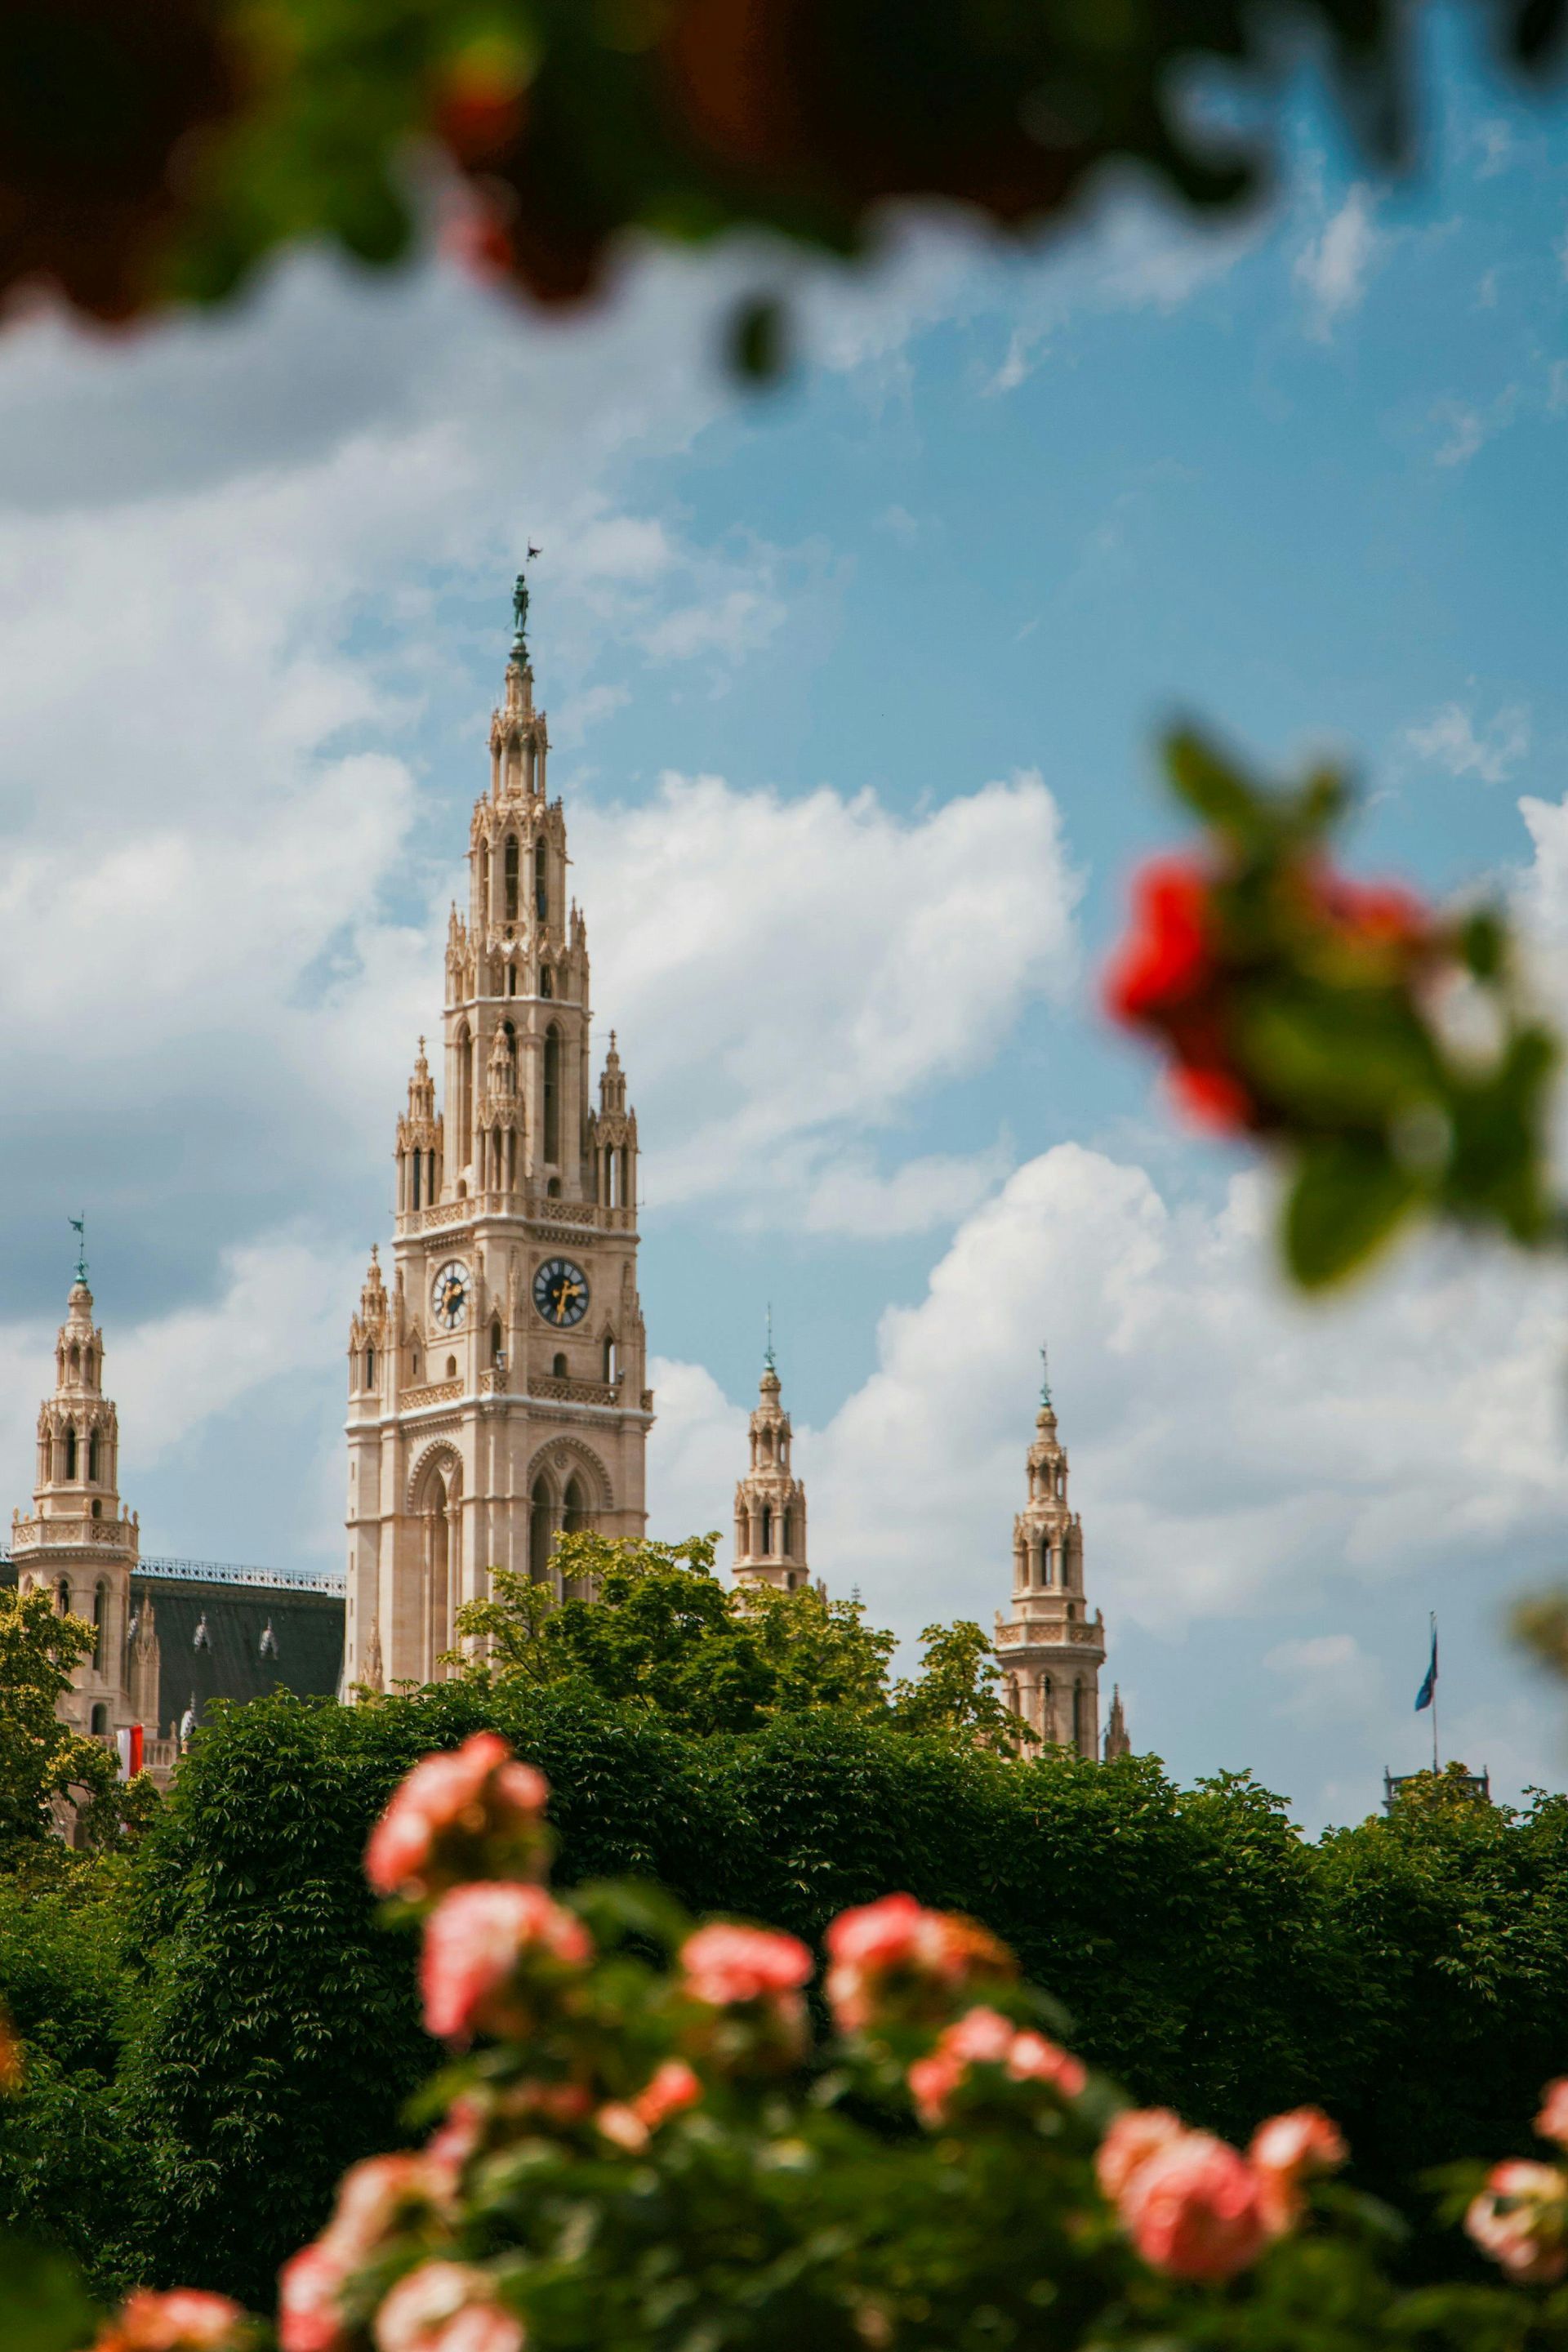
{"x":855,"y":689}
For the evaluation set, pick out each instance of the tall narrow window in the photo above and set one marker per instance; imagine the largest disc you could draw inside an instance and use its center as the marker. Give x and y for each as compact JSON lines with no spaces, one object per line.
{"x":100,"y":1720}
{"x":541,"y":1531}
{"x":546,"y":983}
{"x":611,"y":1366}
{"x":576,"y":1503}
{"x":485,"y":880}
{"x":512,"y":885}
{"x":76,"y":1363}
{"x":369,"y":1368}
{"x":100,"y":1621}
{"x":785,"y":1544}
{"x":540,"y":882}
{"x":558,"y":1367}
{"x":63,"y":1597}
{"x":92,"y":1459}
{"x":495,"y":1349}
{"x":767,"y":1531}
{"x":71,"y":1452}
{"x":552,"y":1093}
{"x":512,"y":979}
{"x":465,"y":1092}
{"x":413,"y":1202}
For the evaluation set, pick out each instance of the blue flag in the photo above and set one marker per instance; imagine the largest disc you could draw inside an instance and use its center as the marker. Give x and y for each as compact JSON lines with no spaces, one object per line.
{"x":1423,"y":1697}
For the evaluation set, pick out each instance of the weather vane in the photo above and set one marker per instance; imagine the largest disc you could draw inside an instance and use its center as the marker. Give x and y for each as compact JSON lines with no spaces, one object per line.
{"x":1044,"y":1376}
{"x":768,"y":1351}
{"x":79,"y":1227}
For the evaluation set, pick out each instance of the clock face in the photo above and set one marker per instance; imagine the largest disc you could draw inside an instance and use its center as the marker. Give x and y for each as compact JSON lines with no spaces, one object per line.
{"x":449,"y":1295}
{"x":561,"y":1292}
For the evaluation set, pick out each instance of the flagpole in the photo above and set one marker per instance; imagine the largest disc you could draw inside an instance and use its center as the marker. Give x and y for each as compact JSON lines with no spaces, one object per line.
{"x":1436,"y":1767}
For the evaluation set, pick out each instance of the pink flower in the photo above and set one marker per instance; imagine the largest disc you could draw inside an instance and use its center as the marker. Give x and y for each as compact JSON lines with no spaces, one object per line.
{"x":1194,"y":2208}
{"x":898,"y":1944}
{"x":621,"y":2124}
{"x":1551,"y":2123}
{"x":983,"y":2037}
{"x":474,"y":1939}
{"x":672,"y":2088}
{"x":1521,"y":2220}
{"x":448,"y":2150}
{"x":723,"y":1965}
{"x":1137,"y":2135}
{"x":183,"y":2319}
{"x":446,"y":2307}
{"x":371,"y":2196}
{"x":451,"y":1814}
{"x":1033,"y":2059}
{"x":308,"y":2285}
{"x":1288,"y":2149}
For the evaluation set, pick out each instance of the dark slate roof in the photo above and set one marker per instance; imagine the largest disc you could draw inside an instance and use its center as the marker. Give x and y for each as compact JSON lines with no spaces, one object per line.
{"x":252,"y":1639}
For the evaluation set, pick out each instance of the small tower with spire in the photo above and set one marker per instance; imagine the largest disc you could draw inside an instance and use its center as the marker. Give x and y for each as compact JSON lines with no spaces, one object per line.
{"x":1049,"y":1647}
{"x":770,"y":1501}
{"x":78,"y":1543}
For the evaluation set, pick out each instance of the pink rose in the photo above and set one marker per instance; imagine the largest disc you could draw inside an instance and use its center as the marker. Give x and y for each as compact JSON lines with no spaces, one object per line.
{"x":897,"y":1943}
{"x":309,"y":2316}
{"x":1551,"y":2123}
{"x":1288,"y":2149}
{"x":446,"y":2307}
{"x":448,"y":2150}
{"x":182,"y":2319}
{"x":983,"y":2037}
{"x":723,"y":1965}
{"x":672,"y":2088}
{"x":1194,"y":2208}
{"x":449,"y":1814}
{"x":371,"y":2196}
{"x":1033,"y":2059}
{"x":1137,"y":2135}
{"x":1521,"y":2220}
{"x":474,"y":1939}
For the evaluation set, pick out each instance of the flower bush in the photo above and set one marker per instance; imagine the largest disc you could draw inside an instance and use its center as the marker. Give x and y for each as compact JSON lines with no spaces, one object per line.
{"x":650,"y":2134}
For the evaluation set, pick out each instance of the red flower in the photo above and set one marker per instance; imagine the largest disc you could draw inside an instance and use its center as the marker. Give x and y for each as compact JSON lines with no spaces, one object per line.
{"x":1169,"y":960}
{"x":723,"y":1965}
{"x":1287,"y":2150}
{"x":1194,"y":2209}
{"x":1521,"y":2220}
{"x":475,"y":1940}
{"x":184,"y":2319}
{"x":898,"y":1948}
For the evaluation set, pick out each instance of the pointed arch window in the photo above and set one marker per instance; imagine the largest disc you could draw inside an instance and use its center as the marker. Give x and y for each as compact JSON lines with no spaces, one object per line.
{"x":485,"y":880}
{"x":92,"y":1459}
{"x":546,"y":983}
{"x":540,"y":1529}
{"x":99,"y":1623}
{"x":498,"y":1348}
{"x":70,"y":1451}
{"x":551,"y":1122}
{"x":369,"y":1368}
{"x":510,"y":885}
{"x":785,"y":1546}
{"x":767,"y":1531}
{"x":612,"y":1365}
{"x":540,"y":882}
{"x":99,"y":1725}
{"x":575,"y":1500}
{"x":63,"y":1596}
{"x":75,"y":1361}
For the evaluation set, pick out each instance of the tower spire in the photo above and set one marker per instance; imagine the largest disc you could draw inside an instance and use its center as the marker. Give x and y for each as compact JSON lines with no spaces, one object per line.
{"x":1050,"y":1648}
{"x":1046,"y":1378}
{"x":768,"y":1357}
{"x":770,"y":1501}
{"x":79,"y":1227}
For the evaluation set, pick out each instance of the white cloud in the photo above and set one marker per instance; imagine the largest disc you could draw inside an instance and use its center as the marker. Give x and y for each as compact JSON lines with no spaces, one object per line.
{"x":734,"y":624}
{"x":1327,"y":1678}
{"x":1332,"y":269}
{"x":787,"y":974}
{"x":1466,"y":428}
{"x":1493,"y":751}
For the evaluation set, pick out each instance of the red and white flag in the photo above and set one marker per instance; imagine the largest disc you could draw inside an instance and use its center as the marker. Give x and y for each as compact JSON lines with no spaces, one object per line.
{"x":128,"y":1743}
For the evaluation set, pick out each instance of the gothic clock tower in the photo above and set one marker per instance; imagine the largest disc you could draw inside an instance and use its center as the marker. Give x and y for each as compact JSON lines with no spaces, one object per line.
{"x":496,"y":1390}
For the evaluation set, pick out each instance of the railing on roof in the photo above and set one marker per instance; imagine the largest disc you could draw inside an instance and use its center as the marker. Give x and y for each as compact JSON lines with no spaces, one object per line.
{"x":218,"y":1571}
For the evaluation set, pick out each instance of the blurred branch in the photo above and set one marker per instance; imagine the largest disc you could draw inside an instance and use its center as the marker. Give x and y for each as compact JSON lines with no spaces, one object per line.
{"x":164,"y":151}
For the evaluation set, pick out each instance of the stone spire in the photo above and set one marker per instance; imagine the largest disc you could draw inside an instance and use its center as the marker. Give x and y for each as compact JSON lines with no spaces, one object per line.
{"x":1049,"y":1647}
{"x":1118,"y":1741}
{"x":770,"y":1501}
{"x":77,"y":1542}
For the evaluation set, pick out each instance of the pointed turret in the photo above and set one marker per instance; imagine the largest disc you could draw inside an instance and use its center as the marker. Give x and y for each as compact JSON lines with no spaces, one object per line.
{"x":770,"y":1501}
{"x":78,"y":1543}
{"x":1050,"y":1648}
{"x":613,"y":1141}
{"x":1117,"y":1740}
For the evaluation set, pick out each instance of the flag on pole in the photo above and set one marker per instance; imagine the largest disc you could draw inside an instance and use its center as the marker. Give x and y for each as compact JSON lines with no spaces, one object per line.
{"x":130,"y":1743}
{"x":1428,"y":1690}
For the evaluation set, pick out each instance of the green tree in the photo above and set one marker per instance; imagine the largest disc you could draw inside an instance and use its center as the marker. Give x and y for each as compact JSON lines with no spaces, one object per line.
{"x":41,"y":1757}
{"x":955,"y":1691}
{"x":649,"y":1623}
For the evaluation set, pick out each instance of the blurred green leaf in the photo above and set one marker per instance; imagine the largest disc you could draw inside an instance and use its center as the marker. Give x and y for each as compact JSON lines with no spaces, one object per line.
{"x":43,"y":2307}
{"x":1348,"y":1198}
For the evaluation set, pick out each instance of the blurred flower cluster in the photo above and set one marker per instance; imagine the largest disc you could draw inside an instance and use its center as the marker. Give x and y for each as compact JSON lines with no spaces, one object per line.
{"x":1385,"y":1050}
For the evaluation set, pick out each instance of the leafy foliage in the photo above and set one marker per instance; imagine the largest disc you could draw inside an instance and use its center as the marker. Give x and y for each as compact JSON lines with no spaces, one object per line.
{"x":1385,"y":1051}
{"x":40,"y":1756}
{"x":650,"y":1624}
{"x":956,"y":1691}
{"x":168,"y":149}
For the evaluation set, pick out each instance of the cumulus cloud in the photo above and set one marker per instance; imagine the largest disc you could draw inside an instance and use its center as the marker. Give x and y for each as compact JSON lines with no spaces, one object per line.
{"x":1492,"y":751}
{"x":794,"y":973}
{"x":1332,"y":268}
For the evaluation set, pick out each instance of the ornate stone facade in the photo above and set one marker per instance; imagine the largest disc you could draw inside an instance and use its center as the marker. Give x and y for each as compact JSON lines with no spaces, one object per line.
{"x":496,"y":1388}
{"x":77,"y":1542}
{"x":1049,"y":1647}
{"x":770,"y":1501}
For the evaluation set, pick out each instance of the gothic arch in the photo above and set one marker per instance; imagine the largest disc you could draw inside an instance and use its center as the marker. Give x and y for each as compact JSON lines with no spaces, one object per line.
{"x":432,"y":1457}
{"x":436,"y":1494}
{"x":560,"y":1457}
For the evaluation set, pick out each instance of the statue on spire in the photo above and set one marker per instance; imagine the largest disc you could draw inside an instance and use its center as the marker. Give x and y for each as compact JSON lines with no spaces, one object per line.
{"x":79,"y":1227}
{"x":519,"y":619}
{"x":768,"y":1357}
